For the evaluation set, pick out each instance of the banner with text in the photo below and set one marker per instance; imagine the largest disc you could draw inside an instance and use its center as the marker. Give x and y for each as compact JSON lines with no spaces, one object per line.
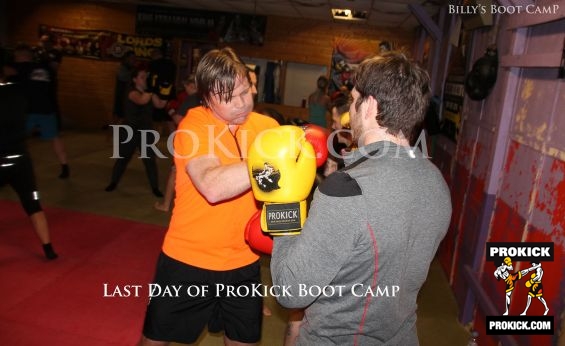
{"x":100,"y":44}
{"x":201,"y":26}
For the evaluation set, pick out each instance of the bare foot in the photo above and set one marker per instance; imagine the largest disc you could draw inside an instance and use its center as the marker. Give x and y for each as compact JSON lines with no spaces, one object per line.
{"x":161,"y":206}
{"x":267,"y":311}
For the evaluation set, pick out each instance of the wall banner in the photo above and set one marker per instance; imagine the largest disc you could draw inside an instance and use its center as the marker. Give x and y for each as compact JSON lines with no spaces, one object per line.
{"x":347,"y":54}
{"x":100,"y":44}
{"x":199,"y":25}
{"x":141,"y":45}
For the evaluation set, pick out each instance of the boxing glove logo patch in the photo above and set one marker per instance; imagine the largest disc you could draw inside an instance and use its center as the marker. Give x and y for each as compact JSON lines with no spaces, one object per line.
{"x":283,"y":218}
{"x":267,"y":178}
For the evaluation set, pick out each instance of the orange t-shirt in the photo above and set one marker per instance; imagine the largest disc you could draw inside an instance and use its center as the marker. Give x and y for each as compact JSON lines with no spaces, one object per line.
{"x":201,"y":234}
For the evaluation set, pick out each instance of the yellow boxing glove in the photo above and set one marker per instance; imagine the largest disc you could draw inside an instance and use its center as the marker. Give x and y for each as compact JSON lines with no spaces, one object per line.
{"x":282,"y":169}
{"x":345,"y":120}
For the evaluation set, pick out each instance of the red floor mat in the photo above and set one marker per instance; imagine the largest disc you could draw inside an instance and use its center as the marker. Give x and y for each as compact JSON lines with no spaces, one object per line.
{"x":62,"y":302}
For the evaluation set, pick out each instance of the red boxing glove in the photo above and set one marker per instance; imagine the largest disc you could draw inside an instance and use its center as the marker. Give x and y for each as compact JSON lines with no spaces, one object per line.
{"x":255,"y":237}
{"x":318,"y":137}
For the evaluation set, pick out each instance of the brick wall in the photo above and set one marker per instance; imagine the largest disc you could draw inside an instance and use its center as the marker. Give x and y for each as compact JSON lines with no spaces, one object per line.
{"x":311,"y":41}
{"x":86,"y":86}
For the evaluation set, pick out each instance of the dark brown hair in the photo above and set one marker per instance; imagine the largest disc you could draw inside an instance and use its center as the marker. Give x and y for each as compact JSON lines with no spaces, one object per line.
{"x":401,"y":89}
{"x":341,"y":104}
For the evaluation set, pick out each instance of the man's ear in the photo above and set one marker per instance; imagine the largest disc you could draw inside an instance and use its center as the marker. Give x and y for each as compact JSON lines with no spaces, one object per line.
{"x":372,"y":107}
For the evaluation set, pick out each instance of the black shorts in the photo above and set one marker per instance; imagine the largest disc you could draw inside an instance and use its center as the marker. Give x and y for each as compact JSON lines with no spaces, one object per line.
{"x":202,"y":300}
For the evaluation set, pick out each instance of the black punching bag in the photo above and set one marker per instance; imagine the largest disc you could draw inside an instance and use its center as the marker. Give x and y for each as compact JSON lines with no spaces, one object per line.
{"x":481,"y":79}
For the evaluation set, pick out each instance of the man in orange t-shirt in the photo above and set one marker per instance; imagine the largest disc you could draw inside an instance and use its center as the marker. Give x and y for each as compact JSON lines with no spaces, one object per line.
{"x":206,"y":263}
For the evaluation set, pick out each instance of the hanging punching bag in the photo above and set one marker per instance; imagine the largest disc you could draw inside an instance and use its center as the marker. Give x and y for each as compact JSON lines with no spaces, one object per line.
{"x":481,"y":79}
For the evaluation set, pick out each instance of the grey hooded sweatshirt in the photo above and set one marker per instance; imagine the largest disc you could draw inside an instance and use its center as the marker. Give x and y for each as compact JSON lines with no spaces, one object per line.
{"x":365,"y":250}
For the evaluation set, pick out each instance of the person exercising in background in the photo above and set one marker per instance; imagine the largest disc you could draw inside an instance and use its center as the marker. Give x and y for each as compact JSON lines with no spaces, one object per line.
{"x":138,"y":108}
{"x":319,"y":103}
{"x":52,"y":56}
{"x":38,"y":82}
{"x":16,"y":167}
{"x":161,"y":79}
{"x":122,"y":82}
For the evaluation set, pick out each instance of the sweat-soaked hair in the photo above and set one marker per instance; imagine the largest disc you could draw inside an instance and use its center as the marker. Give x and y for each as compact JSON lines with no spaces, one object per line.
{"x":217,"y":72}
{"x":401,"y":89}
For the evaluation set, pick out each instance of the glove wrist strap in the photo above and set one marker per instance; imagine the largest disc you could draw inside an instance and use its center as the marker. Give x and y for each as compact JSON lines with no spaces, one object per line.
{"x":283,"y":218}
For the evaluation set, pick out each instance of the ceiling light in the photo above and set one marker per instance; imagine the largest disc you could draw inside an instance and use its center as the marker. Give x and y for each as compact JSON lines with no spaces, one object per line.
{"x":347,"y":14}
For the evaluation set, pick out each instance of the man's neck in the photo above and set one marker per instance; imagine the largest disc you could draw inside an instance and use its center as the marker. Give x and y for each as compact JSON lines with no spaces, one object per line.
{"x":380,"y":134}
{"x":233,"y":128}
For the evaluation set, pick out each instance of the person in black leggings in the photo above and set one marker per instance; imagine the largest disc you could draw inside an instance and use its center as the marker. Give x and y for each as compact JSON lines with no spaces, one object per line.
{"x":16,"y":168}
{"x":138,"y":110}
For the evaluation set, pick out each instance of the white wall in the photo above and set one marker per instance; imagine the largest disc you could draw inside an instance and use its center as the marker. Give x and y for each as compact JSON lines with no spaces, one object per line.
{"x":300,"y":82}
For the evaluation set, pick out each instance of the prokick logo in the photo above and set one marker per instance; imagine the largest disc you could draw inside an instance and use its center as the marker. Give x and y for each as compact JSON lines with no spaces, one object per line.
{"x":505,"y":257}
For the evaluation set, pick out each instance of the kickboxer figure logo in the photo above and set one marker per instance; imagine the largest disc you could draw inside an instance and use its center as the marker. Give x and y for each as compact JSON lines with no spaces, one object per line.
{"x":503,"y":272}
{"x":534,"y":284}
{"x":267,"y":178}
{"x":536,"y":288}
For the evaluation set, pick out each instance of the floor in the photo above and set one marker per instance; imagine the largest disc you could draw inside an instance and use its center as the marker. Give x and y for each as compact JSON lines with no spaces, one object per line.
{"x":89,"y":156}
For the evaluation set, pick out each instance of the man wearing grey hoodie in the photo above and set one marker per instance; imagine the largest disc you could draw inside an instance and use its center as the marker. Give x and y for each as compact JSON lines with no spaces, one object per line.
{"x":374,"y":226}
